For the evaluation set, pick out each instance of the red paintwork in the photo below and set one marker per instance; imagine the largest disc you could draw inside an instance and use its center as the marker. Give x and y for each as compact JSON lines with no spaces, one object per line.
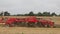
{"x":44,"y":22}
{"x":10,"y":20}
{"x":20,"y":20}
{"x":1,"y":20}
{"x":51,"y":23}
{"x":31,"y":19}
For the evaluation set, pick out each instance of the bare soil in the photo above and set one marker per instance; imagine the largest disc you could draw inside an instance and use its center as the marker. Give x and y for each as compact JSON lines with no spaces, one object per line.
{"x":25,"y":30}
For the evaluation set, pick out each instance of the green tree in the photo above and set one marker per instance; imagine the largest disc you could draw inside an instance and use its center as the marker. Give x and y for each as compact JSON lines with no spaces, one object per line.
{"x":46,"y":13}
{"x":19,"y":15}
{"x":59,"y":15}
{"x":25,"y":14}
{"x":6,"y":13}
{"x":31,"y":13}
{"x":39,"y":14}
{"x":53,"y":14}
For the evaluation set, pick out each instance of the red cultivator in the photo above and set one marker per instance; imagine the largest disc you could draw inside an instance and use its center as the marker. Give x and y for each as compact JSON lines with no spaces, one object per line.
{"x":29,"y":21}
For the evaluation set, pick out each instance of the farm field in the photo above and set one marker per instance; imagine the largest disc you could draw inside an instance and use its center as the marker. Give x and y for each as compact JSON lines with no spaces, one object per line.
{"x":25,"y":30}
{"x":32,"y":30}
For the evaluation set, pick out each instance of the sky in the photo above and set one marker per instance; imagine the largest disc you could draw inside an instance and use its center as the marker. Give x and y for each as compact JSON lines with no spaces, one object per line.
{"x":25,"y":6}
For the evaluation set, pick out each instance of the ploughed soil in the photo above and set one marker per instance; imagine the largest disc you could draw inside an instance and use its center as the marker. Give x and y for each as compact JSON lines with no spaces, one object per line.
{"x":28,"y":30}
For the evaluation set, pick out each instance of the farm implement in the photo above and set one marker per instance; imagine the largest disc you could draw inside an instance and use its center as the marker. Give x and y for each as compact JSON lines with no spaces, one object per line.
{"x":30,"y":21}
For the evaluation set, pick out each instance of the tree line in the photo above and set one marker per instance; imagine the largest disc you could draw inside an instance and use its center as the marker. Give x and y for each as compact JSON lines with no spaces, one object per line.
{"x":6,"y":13}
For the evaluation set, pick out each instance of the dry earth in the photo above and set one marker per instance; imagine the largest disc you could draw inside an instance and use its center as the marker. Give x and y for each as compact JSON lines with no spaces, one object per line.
{"x":25,"y":30}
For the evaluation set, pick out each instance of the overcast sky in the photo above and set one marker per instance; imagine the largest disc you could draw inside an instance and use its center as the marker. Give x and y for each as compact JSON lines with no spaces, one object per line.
{"x":25,"y":6}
